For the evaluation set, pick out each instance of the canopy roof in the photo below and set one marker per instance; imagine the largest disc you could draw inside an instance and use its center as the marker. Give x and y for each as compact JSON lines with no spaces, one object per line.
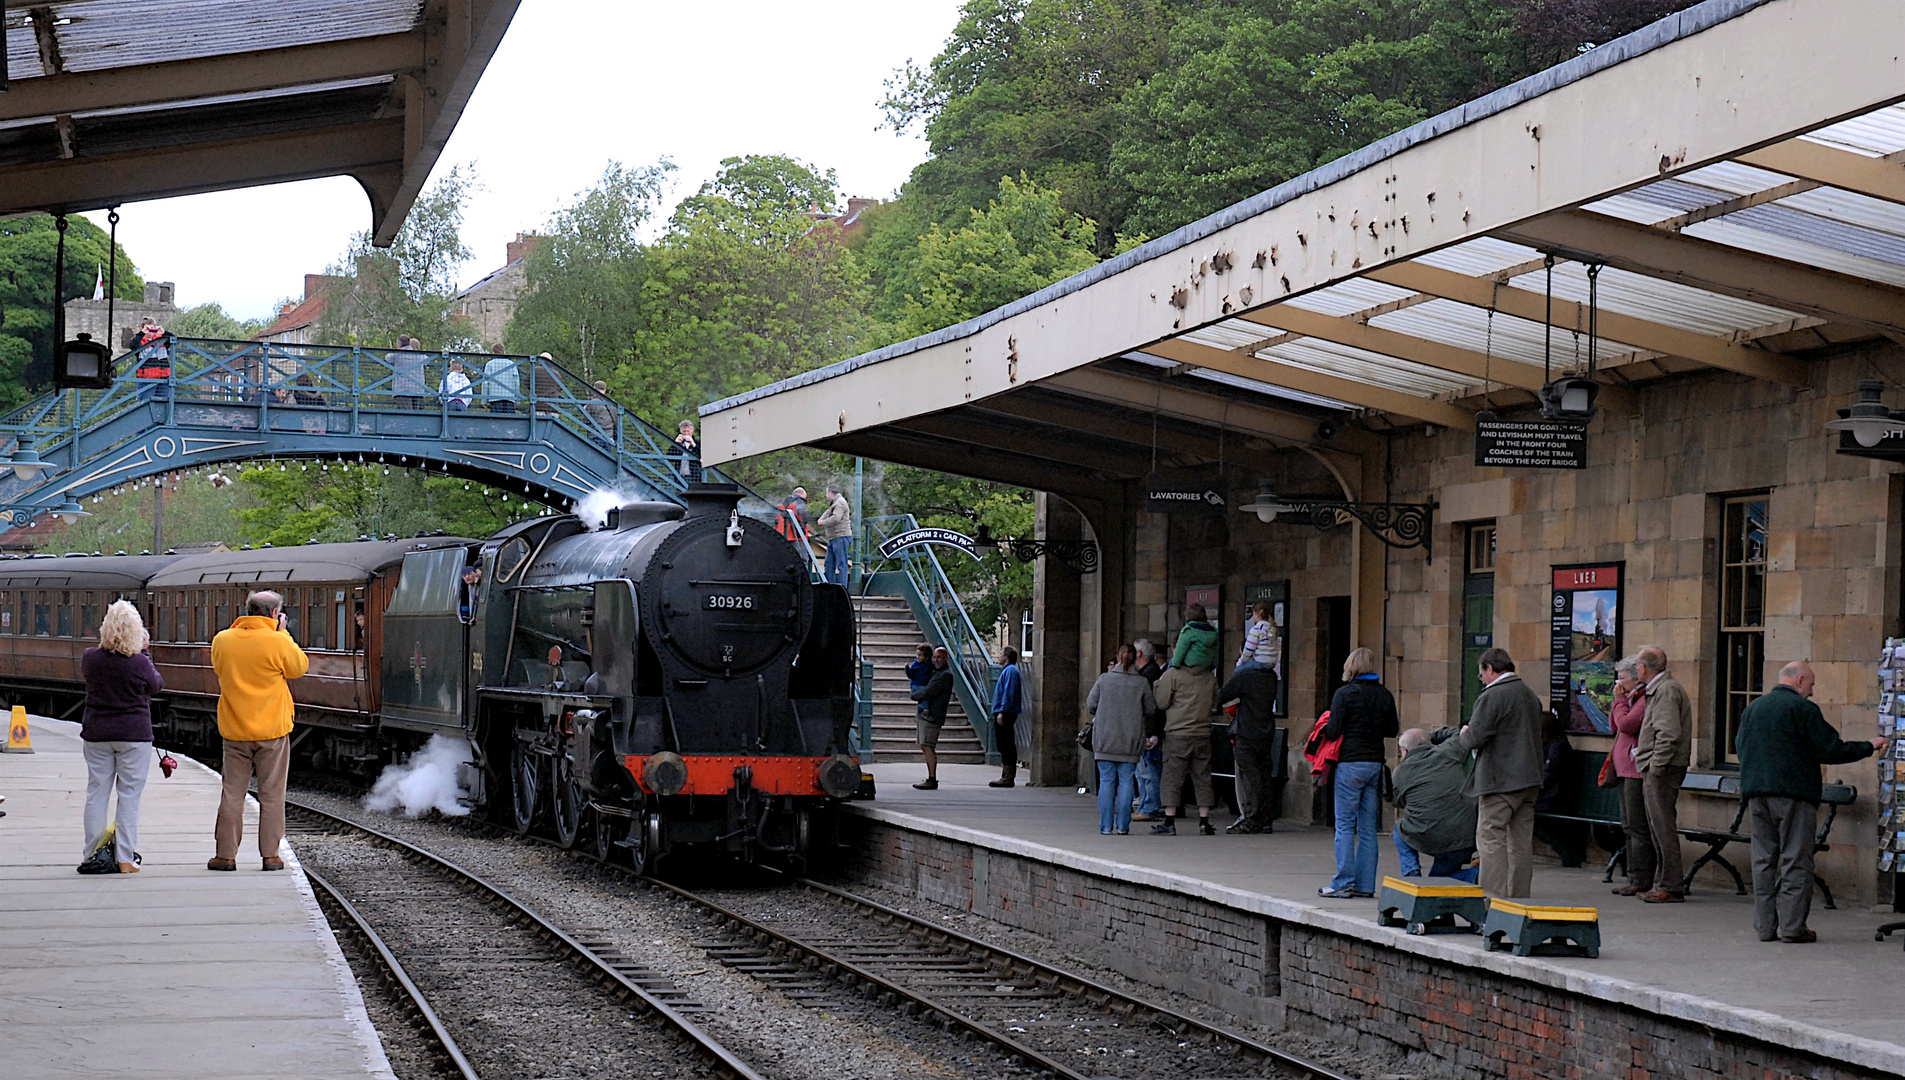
{"x":120,"y":100}
{"x":1737,"y":173}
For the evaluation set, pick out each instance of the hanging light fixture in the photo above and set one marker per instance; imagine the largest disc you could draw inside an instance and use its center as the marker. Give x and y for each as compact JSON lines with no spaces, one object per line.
{"x":70,"y":511}
{"x":1266,"y":505}
{"x":25,"y":462}
{"x":1869,"y":421}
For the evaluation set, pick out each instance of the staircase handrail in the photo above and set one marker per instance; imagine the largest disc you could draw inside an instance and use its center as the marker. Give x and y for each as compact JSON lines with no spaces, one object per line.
{"x":261,"y":375}
{"x":948,"y":624}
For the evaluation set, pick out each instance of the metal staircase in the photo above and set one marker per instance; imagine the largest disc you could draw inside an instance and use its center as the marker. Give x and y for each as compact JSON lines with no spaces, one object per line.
{"x":888,"y":637}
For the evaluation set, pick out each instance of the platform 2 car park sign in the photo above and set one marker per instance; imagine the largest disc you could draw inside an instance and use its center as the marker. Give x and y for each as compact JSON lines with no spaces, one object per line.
{"x":1530,"y":444}
{"x":899,"y":542}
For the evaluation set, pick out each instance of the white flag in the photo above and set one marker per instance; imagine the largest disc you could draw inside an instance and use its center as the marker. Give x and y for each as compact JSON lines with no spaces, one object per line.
{"x":99,"y":285}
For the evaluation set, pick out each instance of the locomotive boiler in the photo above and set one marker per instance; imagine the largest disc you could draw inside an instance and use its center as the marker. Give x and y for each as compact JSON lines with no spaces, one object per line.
{"x":668,"y":680}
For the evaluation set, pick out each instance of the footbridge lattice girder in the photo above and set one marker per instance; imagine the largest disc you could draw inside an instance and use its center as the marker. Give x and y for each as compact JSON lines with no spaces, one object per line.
{"x":524,"y":426}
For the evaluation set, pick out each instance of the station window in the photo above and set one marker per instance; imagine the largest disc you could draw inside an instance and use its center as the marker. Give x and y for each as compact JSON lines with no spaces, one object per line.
{"x":1742,"y":613}
{"x":1478,"y":609}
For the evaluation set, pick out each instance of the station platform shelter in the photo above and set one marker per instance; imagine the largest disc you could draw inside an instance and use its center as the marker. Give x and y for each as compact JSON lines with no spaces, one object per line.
{"x":1233,"y":922}
{"x":1327,"y":396}
{"x":175,"y":971}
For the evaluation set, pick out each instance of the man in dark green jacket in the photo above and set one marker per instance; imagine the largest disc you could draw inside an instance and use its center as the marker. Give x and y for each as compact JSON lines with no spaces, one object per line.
{"x":1782,"y":742}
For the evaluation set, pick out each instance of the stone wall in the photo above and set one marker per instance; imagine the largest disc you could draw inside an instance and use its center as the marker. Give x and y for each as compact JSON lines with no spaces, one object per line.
{"x":1457,"y":1020}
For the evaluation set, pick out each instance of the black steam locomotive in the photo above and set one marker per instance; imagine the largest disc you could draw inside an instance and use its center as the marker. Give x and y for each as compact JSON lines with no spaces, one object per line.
{"x":672,"y":678}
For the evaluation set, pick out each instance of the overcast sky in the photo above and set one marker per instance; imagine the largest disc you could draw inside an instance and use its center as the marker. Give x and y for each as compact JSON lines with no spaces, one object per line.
{"x":578,"y":83}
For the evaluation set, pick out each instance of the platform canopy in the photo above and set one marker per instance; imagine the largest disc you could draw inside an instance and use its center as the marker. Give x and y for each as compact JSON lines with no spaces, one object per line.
{"x":114,"y":101}
{"x":1736,"y":172}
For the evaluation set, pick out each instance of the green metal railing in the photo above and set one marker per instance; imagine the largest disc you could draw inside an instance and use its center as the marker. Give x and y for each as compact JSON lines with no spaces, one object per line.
{"x":918,"y":575}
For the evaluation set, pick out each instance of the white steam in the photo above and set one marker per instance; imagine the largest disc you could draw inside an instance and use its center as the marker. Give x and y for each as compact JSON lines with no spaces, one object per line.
{"x":593,"y":508}
{"x":424,"y":783}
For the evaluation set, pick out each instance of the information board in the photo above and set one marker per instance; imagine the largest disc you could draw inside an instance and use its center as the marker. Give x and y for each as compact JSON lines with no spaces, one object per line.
{"x":1530,"y":444}
{"x":1584,"y":643}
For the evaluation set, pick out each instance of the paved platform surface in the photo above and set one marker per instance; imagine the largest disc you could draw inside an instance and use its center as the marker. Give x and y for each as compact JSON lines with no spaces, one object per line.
{"x":172,"y":972}
{"x":1700,"y":960}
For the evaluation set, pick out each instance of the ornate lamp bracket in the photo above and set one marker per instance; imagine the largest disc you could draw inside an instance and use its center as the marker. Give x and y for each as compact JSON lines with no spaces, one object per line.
{"x":1400,"y":525}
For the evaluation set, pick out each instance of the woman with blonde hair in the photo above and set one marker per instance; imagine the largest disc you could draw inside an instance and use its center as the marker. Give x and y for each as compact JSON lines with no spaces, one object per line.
{"x":117,"y":727}
{"x":1362,"y":714}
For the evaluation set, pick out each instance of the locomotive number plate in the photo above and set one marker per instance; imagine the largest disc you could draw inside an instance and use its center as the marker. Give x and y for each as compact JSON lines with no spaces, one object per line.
{"x":729,"y":602}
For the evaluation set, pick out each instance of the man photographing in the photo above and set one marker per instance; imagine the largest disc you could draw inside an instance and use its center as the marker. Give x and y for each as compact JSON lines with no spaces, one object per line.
{"x":253,"y":659}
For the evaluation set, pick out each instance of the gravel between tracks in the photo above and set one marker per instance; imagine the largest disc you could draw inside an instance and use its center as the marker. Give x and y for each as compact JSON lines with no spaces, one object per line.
{"x":410,"y":1050}
{"x":770,"y":1031}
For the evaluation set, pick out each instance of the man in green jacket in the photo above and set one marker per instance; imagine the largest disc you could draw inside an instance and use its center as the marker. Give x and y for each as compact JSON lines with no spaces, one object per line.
{"x":1782,"y":742}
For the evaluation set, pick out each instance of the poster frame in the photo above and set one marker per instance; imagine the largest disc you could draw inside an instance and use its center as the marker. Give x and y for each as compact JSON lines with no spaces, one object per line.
{"x":1561,"y":629}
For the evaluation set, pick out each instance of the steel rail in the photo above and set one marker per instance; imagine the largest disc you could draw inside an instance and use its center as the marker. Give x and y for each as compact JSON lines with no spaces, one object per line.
{"x":395,"y":969}
{"x":723,"y":1059}
{"x":1077,"y":985}
{"x":876,"y":985}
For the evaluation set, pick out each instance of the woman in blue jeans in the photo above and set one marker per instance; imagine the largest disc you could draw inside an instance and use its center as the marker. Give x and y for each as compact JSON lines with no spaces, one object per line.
{"x":1119,"y":702}
{"x":1363,"y":715}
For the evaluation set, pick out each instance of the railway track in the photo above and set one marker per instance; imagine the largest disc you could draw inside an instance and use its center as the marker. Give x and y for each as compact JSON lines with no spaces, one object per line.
{"x":479,"y":961}
{"x":828,"y":948}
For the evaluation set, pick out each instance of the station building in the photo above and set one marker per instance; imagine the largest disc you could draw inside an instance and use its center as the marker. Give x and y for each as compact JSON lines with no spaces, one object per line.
{"x":1706,"y":217}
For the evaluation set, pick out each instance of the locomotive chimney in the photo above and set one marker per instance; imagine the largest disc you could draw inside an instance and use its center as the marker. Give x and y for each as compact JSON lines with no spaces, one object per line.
{"x":711,"y":498}
{"x":636,"y":514}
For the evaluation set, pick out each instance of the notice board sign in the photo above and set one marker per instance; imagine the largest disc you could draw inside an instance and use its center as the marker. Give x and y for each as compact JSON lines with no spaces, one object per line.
{"x":1584,"y":643}
{"x":1199,"y":494}
{"x":1530,"y":444}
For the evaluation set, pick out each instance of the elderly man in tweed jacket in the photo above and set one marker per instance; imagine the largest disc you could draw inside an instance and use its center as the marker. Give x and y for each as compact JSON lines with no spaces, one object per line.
{"x":1662,"y":752}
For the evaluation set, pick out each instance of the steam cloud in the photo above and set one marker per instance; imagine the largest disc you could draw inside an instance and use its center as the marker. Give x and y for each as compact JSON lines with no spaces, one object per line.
{"x":593,"y":508}
{"x":424,"y":783}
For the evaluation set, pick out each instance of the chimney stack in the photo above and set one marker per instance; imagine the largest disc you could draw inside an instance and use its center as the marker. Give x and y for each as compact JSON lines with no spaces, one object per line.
{"x":521,"y":247}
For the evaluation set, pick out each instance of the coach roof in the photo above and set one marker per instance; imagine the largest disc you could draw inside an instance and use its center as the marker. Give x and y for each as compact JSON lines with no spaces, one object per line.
{"x":128,"y":572}
{"x":308,"y":562}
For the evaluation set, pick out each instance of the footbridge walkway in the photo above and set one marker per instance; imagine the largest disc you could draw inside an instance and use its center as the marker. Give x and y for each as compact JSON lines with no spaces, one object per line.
{"x":524,"y":424}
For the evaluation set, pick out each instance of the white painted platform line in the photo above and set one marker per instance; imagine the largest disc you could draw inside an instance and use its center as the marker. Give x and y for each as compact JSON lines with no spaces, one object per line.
{"x":176,"y":971}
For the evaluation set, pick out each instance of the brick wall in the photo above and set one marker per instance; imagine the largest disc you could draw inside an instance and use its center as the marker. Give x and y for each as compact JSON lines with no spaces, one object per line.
{"x":1454,"y":1020}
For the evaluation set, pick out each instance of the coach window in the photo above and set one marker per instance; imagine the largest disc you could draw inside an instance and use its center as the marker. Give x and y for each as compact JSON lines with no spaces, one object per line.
{"x":201,"y":616}
{"x":340,"y":621}
{"x":23,"y":624}
{"x":291,"y":620}
{"x":64,"y":618}
{"x":88,"y":614}
{"x":316,"y":620}
{"x":42,"y":615}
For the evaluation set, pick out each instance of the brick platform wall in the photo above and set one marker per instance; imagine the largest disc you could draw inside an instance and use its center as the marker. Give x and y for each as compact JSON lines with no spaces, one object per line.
{"x":1452,"y":1019}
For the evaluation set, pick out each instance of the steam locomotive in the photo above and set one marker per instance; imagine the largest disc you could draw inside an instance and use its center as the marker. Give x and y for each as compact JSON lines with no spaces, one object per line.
{"x":669,"y":680}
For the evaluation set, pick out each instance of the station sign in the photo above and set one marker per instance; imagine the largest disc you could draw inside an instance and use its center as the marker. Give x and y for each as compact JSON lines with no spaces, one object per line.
{"x":1530,"y":444}
{"x":1201,"y":494}
{"x":1890,"y":448}
{"x":899,"y":542}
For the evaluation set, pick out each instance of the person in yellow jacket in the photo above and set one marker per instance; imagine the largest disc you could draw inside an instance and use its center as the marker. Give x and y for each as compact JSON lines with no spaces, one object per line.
{"x":253,"y":659}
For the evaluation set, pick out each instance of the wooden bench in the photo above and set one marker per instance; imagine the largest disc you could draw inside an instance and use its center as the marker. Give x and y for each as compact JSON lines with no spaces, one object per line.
{"x":1833,"y":796}
{"x":1582,"y":799}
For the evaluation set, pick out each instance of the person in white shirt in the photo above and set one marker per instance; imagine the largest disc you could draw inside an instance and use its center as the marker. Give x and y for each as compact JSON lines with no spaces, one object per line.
{"x":456,"y":387}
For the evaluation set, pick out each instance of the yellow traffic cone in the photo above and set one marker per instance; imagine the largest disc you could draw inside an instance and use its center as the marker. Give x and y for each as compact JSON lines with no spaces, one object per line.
{"x":19,"y":735}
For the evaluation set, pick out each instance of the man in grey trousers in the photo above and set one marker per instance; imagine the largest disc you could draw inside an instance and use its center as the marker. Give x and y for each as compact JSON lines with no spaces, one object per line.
{"x":1783,"y":739}
{"x":1663,"y":750}
{"x":1505,"y":734}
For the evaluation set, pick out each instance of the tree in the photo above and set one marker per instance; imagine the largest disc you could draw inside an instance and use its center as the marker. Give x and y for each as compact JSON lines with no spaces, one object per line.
{"x":28,"y":246}
{"x":410,"y":287}
{"x":196,"y":511}
{"x":746,"y":286}
{"x":1558,"y":29}
{"x":584,"y":279}
{"x":210,"y":321}
{"x":1022,"y":241}
{"x":339,"y":501}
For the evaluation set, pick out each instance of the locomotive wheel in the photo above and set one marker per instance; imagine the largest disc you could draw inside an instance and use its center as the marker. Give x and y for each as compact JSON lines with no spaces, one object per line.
{"x":525,"y":774}
{"x":608,"y":829}
{"x":567,"y":805}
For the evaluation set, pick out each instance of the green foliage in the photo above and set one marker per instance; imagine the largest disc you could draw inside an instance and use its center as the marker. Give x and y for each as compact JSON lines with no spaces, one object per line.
{"x":994,"y":587}
{"x":211,"y":321}
{"x":742,"y":289}
{"x":410,"y":287}
{"x":196,"y":511}
{"x":584,"y":280}
{"x":346,"y":500}
{"x":1021,"y":242}
{"x":28,"y":247}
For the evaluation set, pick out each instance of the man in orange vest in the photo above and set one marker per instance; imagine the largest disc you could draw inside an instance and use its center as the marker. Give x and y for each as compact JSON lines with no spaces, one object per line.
{"x":792,"y":519}
{"x":253,"y":659}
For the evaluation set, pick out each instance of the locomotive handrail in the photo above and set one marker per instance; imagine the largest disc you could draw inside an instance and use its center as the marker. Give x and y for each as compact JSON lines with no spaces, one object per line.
{"x":212,"y":400}
{"x":947,"y":624}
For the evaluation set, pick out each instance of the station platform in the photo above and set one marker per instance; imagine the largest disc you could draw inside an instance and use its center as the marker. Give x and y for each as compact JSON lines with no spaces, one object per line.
{"x":172,"y":972}
{"x":1699,"y":962}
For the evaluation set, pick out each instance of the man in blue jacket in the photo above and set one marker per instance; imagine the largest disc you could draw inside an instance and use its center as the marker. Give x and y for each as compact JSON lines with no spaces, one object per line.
{"x":1783,"y":739}
{"x":1006,"y":701}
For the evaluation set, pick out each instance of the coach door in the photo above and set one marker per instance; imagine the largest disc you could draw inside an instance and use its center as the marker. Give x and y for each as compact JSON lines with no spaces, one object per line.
{"x":425,"y":662}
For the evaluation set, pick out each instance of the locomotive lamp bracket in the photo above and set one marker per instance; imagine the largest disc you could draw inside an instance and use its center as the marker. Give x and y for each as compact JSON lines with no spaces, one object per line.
{"x":734,"y":529}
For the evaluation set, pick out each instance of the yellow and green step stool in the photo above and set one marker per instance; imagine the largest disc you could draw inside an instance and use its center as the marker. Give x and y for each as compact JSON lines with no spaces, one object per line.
{"x":1528,"y":928}
{"x":1431,"y":905}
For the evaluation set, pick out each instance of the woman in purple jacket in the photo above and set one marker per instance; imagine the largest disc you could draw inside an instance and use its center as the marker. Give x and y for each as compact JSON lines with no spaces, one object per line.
{"x":117,"y":727}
